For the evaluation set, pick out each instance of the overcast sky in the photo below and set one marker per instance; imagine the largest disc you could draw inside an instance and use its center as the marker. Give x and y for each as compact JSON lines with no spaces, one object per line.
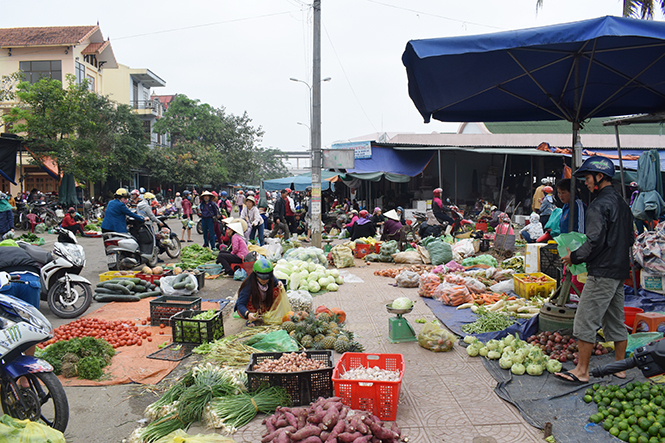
{"x":240,"y":54}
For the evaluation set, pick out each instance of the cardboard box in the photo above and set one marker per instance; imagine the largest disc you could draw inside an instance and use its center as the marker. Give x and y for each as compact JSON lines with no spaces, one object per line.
{"x":652,"y":282}
{"x":532,"y":257}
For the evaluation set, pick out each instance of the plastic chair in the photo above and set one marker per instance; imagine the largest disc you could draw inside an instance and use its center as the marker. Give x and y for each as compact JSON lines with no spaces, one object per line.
{"x":34,"y":221}
{"x":651,"y":319}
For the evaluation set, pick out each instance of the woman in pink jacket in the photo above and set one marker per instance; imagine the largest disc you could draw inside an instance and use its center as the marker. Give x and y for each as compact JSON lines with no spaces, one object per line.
{"x":238,"y":248}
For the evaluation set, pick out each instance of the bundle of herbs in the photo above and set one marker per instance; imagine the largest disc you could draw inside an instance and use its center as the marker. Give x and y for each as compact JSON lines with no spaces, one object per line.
{"x":233,"y":350}
{"x":85,"y":357}
{"x":233,"y":412}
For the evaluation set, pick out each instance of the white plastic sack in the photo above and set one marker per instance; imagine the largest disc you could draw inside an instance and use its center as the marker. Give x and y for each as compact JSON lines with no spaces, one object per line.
{"x":350,"y":278}
{"x":504,"y":286}
{"x":464,"y":248}
{"x":273,"y":248}
{"x":408,"y":279}
{"x":166,"y":283}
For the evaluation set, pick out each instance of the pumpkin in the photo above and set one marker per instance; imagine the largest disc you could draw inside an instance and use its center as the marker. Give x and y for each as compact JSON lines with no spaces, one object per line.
{"x":339,"y":315}
{"x":146,"y":270}
{"x":321,"y":309}
{"x":177,"y":271}
{"x":288,"y":316}
{"x":157,"y":270}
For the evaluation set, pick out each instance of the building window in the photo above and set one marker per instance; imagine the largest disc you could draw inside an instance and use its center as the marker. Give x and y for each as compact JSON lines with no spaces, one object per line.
{"x":91,"y":82}
{"x":80,"y":72}
{"x":146,"y":130}
{"x":35,"y":71}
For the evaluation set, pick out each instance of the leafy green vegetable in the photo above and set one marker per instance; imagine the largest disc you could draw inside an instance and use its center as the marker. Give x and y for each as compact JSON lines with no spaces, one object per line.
{"x":90,"y":368}
{"x":89,"y":354}
{"x":195,"y":255}
{"x":488,"y":321}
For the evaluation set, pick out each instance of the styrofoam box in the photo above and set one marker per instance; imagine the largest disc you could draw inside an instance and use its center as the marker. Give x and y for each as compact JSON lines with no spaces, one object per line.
{"x":520,"y":219}
{"x":420,"y":205}
{"x":532,"y":257}
{"x":652,"y":282}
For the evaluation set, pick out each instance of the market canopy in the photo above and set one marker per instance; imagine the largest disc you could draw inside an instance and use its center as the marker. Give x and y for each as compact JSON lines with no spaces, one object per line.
{"x":300,"y":182}
{"x":600,"y":67}
{"x":395,"y":166}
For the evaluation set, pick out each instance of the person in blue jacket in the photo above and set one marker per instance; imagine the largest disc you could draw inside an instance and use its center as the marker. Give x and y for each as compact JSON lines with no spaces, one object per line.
{"x":258,"y":292}
{"x":115,"y":217}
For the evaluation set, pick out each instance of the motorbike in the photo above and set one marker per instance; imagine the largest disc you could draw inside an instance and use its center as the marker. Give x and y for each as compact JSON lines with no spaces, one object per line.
{"x":167,"y":241}
{"x":649,"y":359}
{"x":126,"y":251}
{"x":67,"y":293}
{"x":22,"y":327}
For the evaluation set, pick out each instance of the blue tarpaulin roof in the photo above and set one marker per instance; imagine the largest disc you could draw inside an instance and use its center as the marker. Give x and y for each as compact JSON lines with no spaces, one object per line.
{"x":613,"y":65}
{"x":388,"y":160}
{"x":300,"y":182}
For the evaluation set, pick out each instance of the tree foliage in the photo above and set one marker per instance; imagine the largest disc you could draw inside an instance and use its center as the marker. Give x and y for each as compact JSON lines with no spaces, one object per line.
{"x":210,"y":146}
{"x":82,"y":132}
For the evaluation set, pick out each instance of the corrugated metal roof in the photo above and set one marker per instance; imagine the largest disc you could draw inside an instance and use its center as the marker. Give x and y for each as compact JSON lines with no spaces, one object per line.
{"x":593,"y":126}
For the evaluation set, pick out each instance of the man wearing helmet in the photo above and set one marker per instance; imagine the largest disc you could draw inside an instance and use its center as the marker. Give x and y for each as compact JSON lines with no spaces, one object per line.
{"x":439,"y":209}
{"x":609,"y":231}
{"x":115,"y":217}
{"x":143,"y":208}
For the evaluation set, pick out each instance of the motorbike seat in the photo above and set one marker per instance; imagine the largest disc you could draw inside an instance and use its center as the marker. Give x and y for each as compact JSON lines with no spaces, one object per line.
{"x":40,"y":255}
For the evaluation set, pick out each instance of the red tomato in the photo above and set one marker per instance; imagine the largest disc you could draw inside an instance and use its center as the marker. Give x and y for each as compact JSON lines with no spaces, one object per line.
{"x":162,"y":325}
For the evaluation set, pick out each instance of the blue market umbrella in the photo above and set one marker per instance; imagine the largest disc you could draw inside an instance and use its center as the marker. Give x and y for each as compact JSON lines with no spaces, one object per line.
{"x":600,"y":67}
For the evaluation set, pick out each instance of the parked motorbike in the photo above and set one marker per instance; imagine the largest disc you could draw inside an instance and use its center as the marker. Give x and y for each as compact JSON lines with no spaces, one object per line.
{"x":68,"y":294}
{"x":167,"y":241}
{"x":22,"y":327}
{"x":126,"y":251}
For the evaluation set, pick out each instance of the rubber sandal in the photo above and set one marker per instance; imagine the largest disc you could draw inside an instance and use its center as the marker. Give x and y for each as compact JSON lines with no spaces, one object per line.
{"x":573,"y":378}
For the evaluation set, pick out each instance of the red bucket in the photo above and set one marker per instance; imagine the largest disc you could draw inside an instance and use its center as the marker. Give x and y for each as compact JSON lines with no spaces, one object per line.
{"x":362,"y":250}
{"x":629,"y":314}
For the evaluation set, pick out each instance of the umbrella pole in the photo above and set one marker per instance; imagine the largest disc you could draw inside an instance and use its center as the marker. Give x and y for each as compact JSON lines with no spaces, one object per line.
{"x":623,"y":183}
{"x":573,"y":166}
{"x":440,"y":178}
{"x":503,"y":178}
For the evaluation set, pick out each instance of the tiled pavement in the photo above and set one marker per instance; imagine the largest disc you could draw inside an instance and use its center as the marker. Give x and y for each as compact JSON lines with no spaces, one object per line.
{"x":445,"y":397}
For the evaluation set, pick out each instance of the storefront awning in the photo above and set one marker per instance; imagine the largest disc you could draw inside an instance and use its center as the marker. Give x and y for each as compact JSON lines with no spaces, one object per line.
{"x":386,"y":160}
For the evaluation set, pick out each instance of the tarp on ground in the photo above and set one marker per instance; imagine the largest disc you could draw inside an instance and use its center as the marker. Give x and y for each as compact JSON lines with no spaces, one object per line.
{"x":600,"y":67}
{"x":300,"y":182}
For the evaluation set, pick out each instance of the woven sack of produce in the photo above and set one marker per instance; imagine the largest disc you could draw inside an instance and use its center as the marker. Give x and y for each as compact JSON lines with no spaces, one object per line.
{"x":439,"y":252}
{"x":412,"y":257}
{"x":342,"y":257}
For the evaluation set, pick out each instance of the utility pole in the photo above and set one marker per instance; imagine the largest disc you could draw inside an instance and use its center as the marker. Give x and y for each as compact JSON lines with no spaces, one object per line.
{"x":316,"y":127}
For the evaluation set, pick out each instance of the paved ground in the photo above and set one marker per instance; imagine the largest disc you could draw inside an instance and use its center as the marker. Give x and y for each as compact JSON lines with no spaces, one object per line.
{"x":444,"y":397}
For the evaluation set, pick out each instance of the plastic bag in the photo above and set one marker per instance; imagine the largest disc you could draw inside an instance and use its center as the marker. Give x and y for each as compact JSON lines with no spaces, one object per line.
{"x":504,"y":286}
{"x":464,"y":248}
{"x":572,"y":241}
{"x":484,"y":259}
{"x":240,"y":274}
{"x":276,"y":341}
{"x":410,"y":257}
{"x":280,"y":307}
{"x":310,"y":254}
{"x":300,"y":300}
{"x":554,"y":223}
{"x":181,"y":436}
{"x":342,"y":257}
{"x":434,"y":338}
{"x":428,"y":284}
{"x":166,"y":284}
{"x":474,"y":285}
{"x":439,"y":252}
{"x":389,"y":247}
{"x":350,"y":278}
{"x":373,"y":257}
{"x":273,"y":249}
{"x":452,"y":295}
{"x":424,"y":254}
{"x":408,"y":279}
{"x":13,"y":430}
{"x":640,"y":339}
{"x":40,"y":228}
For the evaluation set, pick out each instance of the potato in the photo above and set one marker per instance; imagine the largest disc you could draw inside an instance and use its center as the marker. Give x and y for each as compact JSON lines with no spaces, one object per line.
{"x":146,"y":270}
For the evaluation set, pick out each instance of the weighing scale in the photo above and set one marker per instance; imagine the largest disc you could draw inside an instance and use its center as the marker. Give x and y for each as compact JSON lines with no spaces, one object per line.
{"x":399,"y":330}
{"x":556,"y":314}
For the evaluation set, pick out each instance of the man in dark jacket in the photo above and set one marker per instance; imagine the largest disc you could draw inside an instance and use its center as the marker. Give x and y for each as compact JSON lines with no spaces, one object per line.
{"x":279,"y":215}
{"x":609,"y":231}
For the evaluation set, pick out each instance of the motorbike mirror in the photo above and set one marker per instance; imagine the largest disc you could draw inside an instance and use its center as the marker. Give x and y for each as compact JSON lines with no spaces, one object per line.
{"x":5,"y":279}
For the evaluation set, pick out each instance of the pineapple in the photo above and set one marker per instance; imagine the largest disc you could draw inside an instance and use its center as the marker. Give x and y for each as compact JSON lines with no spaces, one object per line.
{"x":341,"y":346}
{"x":354,"y":346}
{"x":324,"y":317}
{"x":343,"y":338}
{"x":328,"y":343}
{"x":318,"y":338}
{"x":307,"y":341}
{"x":289,"y":326}
{"x":311,"y":329}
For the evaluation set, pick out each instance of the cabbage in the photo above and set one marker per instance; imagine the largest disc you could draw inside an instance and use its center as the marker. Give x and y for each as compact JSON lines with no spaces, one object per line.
{"x":483,"y":351}
{"x":534,"y":369}
{"x":493,"y":355}
{"x":334,"y":273}
{"x":339,"y":280}
{"x":332,"y":287}
{"x":311,"y":267}
{"x":517,"y":369}
{"x":325,"y":281}
{"x":295,"y":281}
{"x":314,"y":287}
{"x":304,"y":285}
{"x":553,"y":366}
{"x":402,"y":303}
{"x":505,"y":362}
{"x":280,"y":275}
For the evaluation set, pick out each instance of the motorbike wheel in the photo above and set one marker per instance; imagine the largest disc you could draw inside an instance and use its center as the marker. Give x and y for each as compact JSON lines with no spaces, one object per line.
{"x":50,"y":221}
{"x":173,"y":251}
{"x":70,"y":305}
{"x":45,"y":401}
{"x":199,"y":227}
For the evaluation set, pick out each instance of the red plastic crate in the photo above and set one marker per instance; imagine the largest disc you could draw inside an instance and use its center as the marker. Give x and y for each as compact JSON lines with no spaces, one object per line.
{"x":378,"y":397}
{"x":150,"y":278}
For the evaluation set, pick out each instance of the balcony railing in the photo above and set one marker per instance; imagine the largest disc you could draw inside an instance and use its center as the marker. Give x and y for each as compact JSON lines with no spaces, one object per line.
{"x":154,"y":105}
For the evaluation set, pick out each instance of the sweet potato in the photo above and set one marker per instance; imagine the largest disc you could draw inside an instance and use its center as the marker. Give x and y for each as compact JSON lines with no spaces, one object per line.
{"x":282,"y":437}
{"x":312,"y":439}
{"x":324,"y":435}
{"x":302,"y":419}
{"x":307,"y":431}
{"x":318,"y":415}
{"x":338,"y":429}
{"x":381,"y":432}
{"x":331,"y":417}
{"x":396,"y":430}
{"x":274,"y":436}
{"x":281,"y":422}
{"x":347,"y":437}
{"x":363,"y":439}
{"x":293,"y":421}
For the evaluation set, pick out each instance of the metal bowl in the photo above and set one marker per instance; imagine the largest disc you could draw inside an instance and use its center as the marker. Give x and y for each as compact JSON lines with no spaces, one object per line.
{"x":389,"y":307}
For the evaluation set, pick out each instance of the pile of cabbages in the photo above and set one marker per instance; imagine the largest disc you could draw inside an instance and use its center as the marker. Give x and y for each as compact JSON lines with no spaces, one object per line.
{"x":514,"y":354}
{"x":307,"y":276}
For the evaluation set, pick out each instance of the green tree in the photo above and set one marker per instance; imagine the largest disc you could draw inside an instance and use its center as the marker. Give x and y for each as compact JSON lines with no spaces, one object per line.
{"x":84,"y":133}
{"x":643,"y":9}
{"x":268,"y":165}
{"x":208,"y":145}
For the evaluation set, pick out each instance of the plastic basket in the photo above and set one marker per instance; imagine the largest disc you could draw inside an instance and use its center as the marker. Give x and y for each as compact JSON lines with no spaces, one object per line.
{"x":550,"y":262}
{"x":173,"y":352}
{"x":212,"y":269}
{"x":362,"y":250}
{"x":151,"y":278}
{"x":164,"y":307}
{"x":188,"y":330}
{"x":481,"y":226}
{"x":377,"y":247}
{"x":527,"y":289}
{"x":303,"y":387}
{"x":110,"y":275}
{"x":378,"y":397}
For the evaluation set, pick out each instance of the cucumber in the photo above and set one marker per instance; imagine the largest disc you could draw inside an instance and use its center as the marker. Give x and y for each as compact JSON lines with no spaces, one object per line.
{"x":181,"y":285}
{"x":140,"y":288}
{"x":116,"y":297}
{"x":151,"y":286}
{"x":156,"y":283}
{"x":149,"y":294}
{"x":102,"y":290}
{"x":190,"y":286}
{"x":120,"y":289}
{"x":135,"y":280}
{"x":127,"y":284}
{"x":180,"y":278}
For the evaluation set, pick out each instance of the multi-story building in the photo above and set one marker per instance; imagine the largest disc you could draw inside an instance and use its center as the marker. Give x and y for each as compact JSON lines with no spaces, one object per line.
{"x":52,"y":52}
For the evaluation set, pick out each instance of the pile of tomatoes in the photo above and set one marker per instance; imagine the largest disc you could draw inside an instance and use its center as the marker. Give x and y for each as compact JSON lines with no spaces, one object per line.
{"x":117,"y":333}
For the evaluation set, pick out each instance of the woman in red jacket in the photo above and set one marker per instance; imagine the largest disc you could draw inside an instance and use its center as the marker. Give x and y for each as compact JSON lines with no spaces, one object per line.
{"x":69,"y":223}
